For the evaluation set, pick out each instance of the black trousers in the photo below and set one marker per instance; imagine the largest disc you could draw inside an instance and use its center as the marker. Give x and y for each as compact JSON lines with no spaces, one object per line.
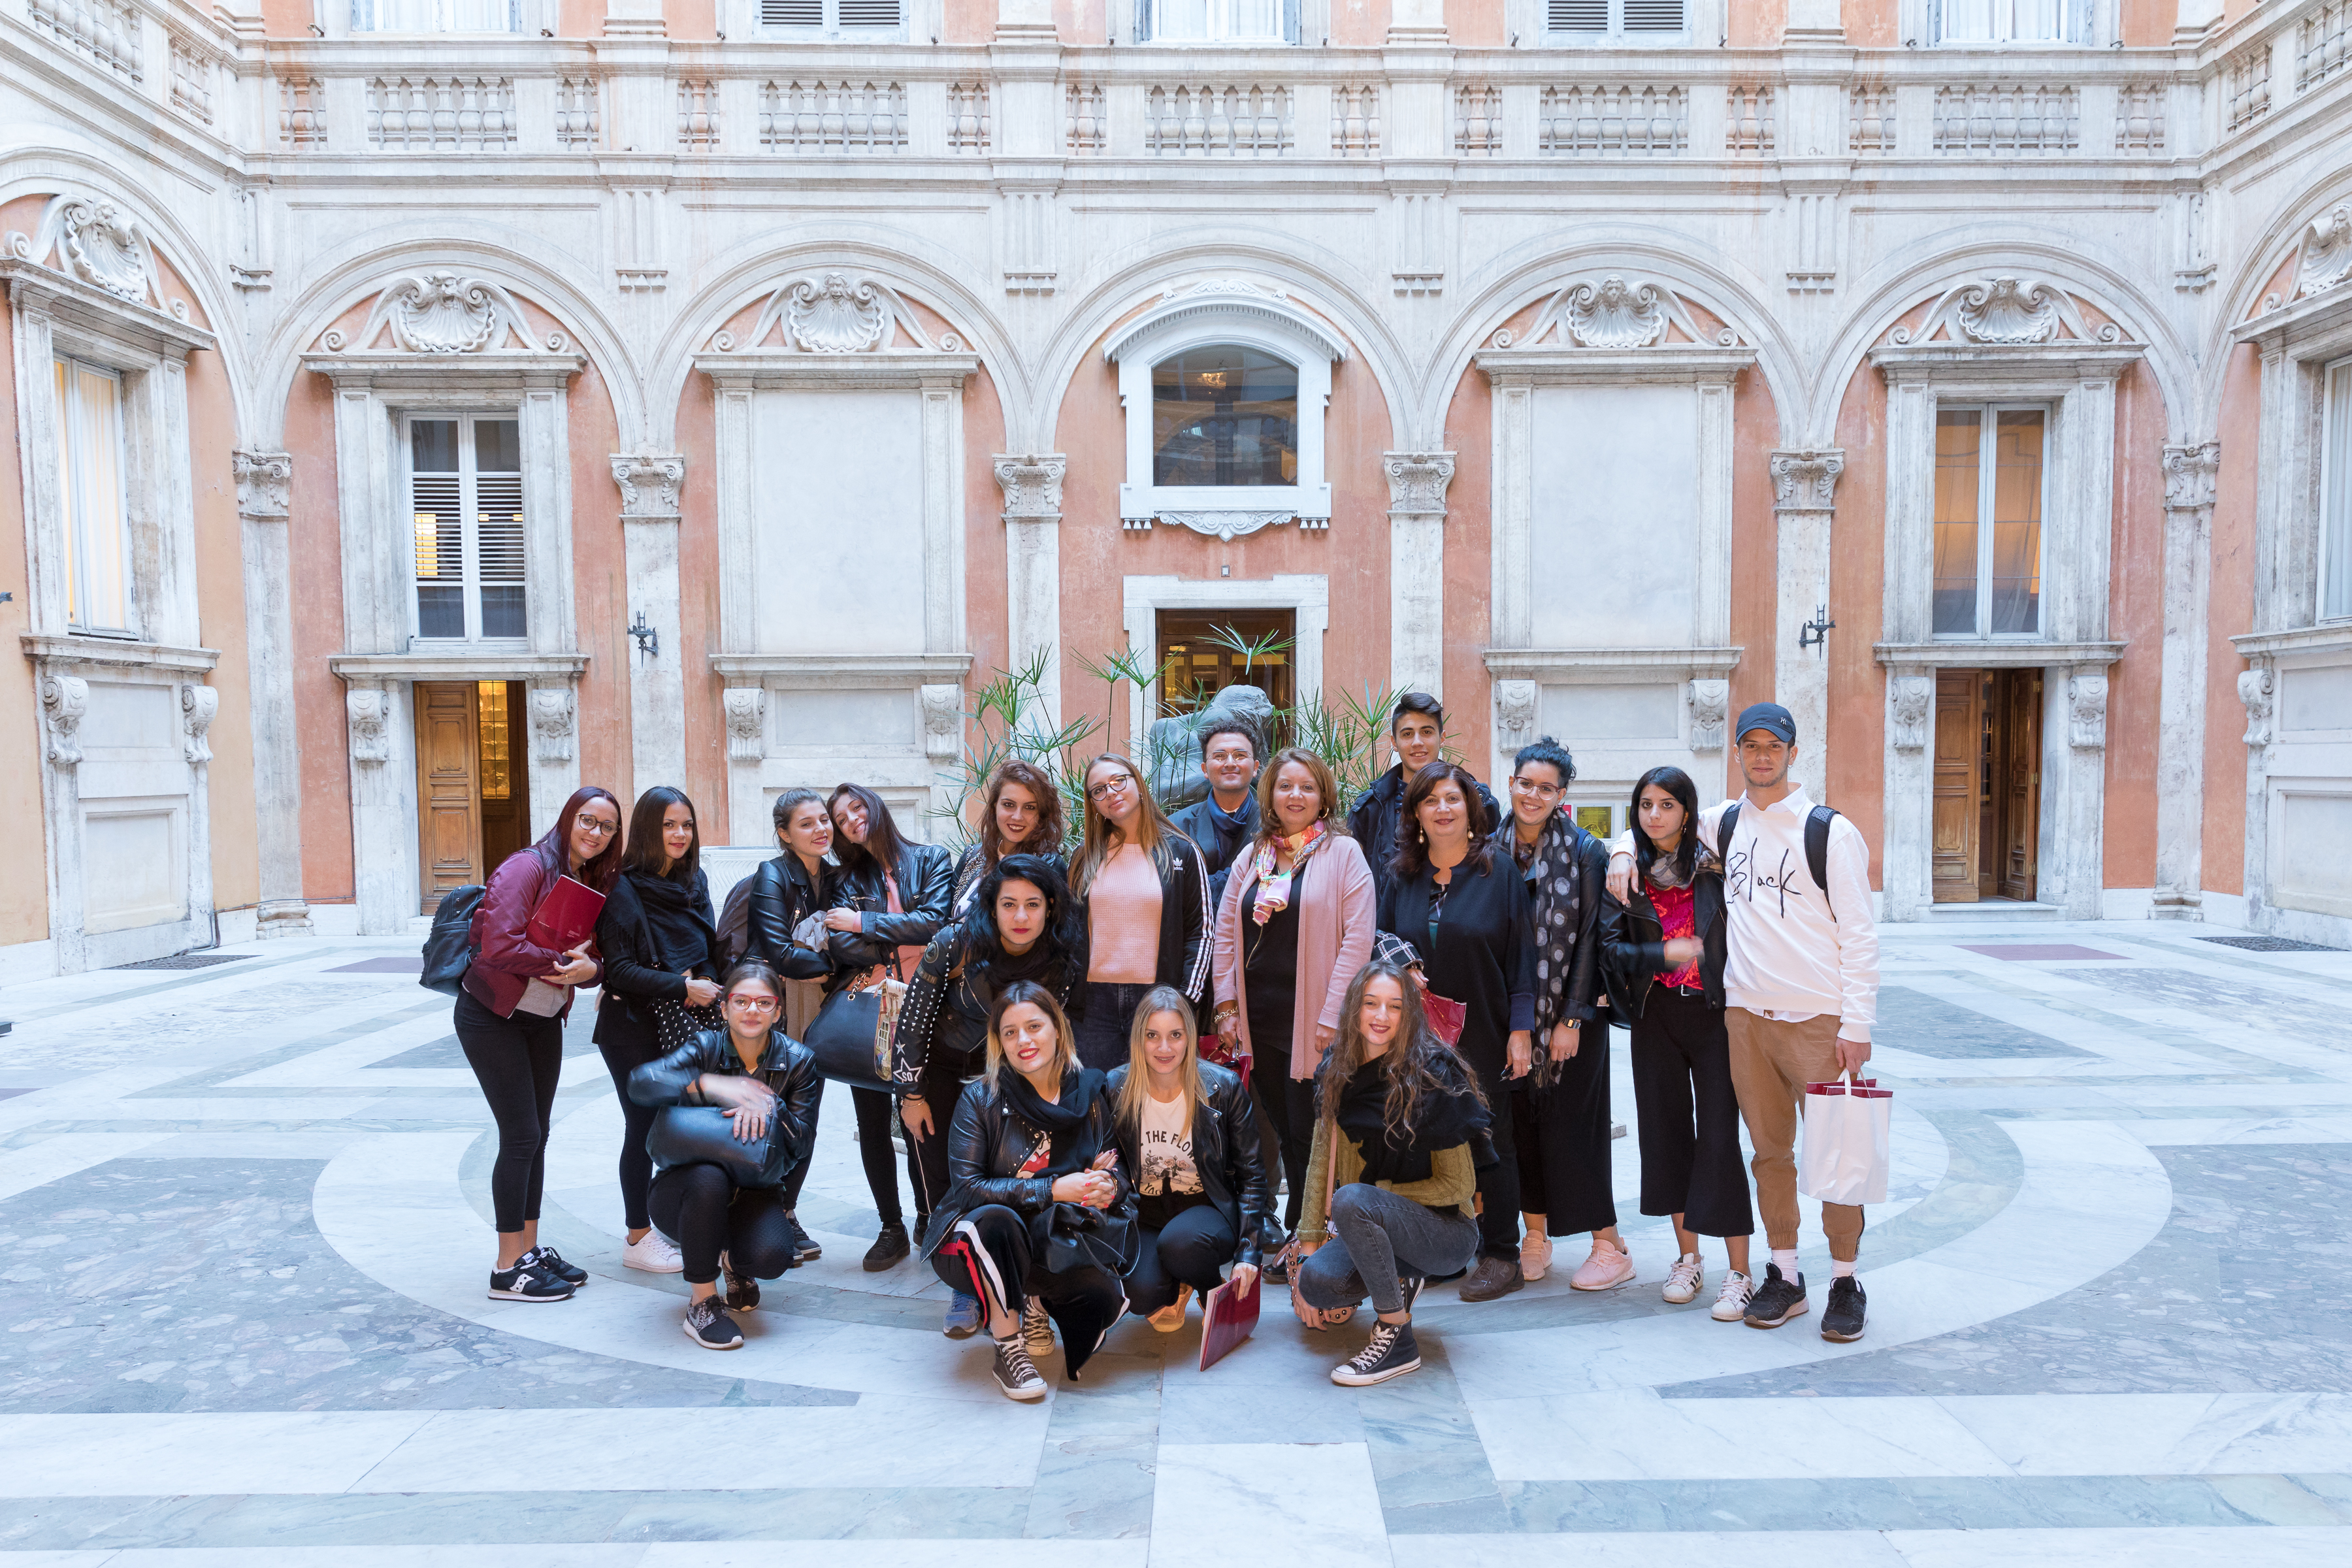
{"x":1498,"y":1183}
{"x":1102,"y":1031}
{"x":877,"y":1113}
{"x":989,"y":1256}
{"x":1562,"y":1134}
{"x":701,"y":1208}
{"x":636,"y":1122}
{"x":518,"y":1061}
{"x":1688,"y":1116}
{"x":927,"y":1159}
{"x":1288,"y":1105}
{"x":1192,"y":1248}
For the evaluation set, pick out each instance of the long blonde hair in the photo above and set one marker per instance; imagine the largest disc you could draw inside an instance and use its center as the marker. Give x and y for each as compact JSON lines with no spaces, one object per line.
{"x":1154,"y":833}
{"x":1132,"y":1093}
{"x":1066,"y":1045}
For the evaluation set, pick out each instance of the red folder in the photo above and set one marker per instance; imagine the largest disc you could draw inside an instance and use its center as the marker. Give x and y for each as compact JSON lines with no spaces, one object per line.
{"x":1226,"y":1320}
{"x":566,"y":917}
{"x":1445,"y":1017}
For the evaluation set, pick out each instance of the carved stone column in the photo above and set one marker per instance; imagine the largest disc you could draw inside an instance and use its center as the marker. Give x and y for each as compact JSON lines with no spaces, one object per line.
{"x":1032,"y":568}
{"x":650,"y":486}
{"x":264,"y":508}
{"x":64,"y":699}
{"x":2258,"y":690}
{"x":1417,"y":483}
{"x":555,"y":750}
{"x":2078,"y":848}
{"x":1804,"y":490}
{"x":1905,"y":856}
{"x":383,"y":805}
{"x":199,"y":706}
{"x":746,"y":708}
{"x":2189,"y":474}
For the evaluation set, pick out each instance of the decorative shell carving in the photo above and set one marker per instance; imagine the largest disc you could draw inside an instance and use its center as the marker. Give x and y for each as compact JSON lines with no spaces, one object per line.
{"x":835,"y":314}
{"x":2006,"y":312}
{"x":1614,"y":313}
{"x":442,"y":313}
{"x":98,"y":242}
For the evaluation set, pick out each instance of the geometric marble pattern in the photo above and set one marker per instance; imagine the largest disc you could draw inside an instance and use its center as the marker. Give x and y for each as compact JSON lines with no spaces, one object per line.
{"x":244,"y":1229}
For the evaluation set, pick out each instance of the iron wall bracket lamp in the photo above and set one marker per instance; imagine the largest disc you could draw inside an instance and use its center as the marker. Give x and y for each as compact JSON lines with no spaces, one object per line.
{"x":648,"y":637}
{"x":1818,"y":629}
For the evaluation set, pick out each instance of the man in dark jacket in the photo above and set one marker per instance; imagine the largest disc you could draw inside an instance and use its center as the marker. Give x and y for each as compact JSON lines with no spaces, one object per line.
{"x":1224,"y":821}
{"x":1417,"y":729}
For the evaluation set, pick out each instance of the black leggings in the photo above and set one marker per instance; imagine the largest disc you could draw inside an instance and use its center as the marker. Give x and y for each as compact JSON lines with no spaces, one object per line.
{"x":700,"y":1207}
{"x":875,"y":1112}
{"x":518,"y":1061}
{"x":1498,"y":1183}
{"x":1689,"y":1116}
{"x":636,"y":1122}
{"x":1189,"y":1249}
{"x":988,"y":1256}
{"x":927,"y":1158}
{"x":1288,"y":1105}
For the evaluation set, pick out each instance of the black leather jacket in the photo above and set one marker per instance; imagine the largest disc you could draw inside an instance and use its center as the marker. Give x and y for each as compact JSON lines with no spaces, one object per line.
{"x":1233,"y":1177}
{"x":1220,"y":844}
{"x":987,"y":1145}
{"x":786,"y":1066}
{"x":781,"y":896}
{"x":945,"y":1015}
{"x":633,"y":975}
{"x":926,"y":874}
{"x":1633,"y":947}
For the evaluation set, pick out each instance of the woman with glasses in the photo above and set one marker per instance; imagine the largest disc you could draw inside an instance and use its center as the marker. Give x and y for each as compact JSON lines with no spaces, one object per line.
{"x":766,"y":1081}
{"x":1020,"y":814}
{"x":509,"y":1021}
{"x":1560,"y":1111}
{"x":1144,"y":888}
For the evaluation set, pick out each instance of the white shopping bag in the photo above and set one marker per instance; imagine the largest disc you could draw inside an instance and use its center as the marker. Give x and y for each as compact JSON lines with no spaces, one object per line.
{"x":1845,"y":1156}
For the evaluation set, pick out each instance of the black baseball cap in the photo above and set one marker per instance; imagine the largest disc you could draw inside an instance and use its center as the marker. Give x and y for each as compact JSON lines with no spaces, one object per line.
{"x":1767,"y":716}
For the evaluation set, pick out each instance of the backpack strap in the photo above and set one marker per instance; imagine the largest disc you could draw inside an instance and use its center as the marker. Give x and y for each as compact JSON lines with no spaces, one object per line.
{"x":1817,"y":851}
{"x":1725,"y":826}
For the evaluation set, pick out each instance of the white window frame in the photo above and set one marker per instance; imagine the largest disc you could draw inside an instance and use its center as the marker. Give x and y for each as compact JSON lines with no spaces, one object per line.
{"x":2336,"y":490}
{"x":76,"y":438}
{"x":1988,"y":468}
{"x":470,"y":518}
{"x":1223,"y":31}
{"x":2082,"y":24}
{"x":441,"y":16}
{"x":831,"y":29}
{"x":1616,"y":34}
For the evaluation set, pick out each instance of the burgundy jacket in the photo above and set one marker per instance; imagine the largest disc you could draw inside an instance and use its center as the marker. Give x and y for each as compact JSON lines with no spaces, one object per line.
{"x":505,"y":961}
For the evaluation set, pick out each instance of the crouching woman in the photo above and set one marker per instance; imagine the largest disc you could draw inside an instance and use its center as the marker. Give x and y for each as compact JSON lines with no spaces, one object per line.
{"x":1037,"y":1221}
{"x":1401,"y":1131}
{"x":1188,"y":1137}
{"x":766,"y":1081}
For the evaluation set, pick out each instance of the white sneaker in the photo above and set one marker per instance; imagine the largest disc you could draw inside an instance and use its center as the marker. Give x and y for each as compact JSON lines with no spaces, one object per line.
{"x":1036,"y":1329}
{"x":1731,"y":1301}
{"x":1685,"y":1278}
{"x":653,"y":1253}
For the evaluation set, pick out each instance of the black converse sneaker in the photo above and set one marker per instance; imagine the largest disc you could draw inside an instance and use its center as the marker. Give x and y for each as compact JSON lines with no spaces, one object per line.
{"x":1841,"y":1319}
{"x":1410,"y":1285}
{"x":1776,"y":1300}
{"x":526,"y":1281}
{"x":711,"y":1329}
{"x":1017,"y":1375}
{"x":1392,"y":1352}
{"x":551,"y":1262}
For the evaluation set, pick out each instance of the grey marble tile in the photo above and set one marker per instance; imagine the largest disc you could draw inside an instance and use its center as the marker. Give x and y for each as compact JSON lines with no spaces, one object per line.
{"x":2235,"y":1000}
{"x":1427,"y":1459}
{"x":1096,"y":1472}
{"x":1937,"y":1027}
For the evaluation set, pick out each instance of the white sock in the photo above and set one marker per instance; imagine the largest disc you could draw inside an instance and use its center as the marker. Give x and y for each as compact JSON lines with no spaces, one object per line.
{"x":1786,"y":1260}
{"x":1841,"y":1270}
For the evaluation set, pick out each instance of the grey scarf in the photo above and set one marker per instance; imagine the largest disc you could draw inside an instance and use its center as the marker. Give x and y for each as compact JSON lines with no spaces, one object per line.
{"x":1551,"y":881}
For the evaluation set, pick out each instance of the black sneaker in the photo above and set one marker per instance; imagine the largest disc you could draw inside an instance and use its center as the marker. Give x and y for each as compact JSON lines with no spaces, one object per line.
{"x":1776,"y":1300}
{"x":711,"y":1329}
{"x":803,"y":1249}
{"x":742,"y":1291}
{"x":1017,"y":1375}
{"x":526,"y":1281}
{"x":1841,"y":1319}
{"x":1409,"y":1285}
{"x":1391,"y":1352}
{"x":552,"y":1262}
{"x":888,"y":1247}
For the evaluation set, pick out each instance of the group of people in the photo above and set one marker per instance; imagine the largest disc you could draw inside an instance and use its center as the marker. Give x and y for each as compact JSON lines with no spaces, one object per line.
{"x":1353,"y":1048}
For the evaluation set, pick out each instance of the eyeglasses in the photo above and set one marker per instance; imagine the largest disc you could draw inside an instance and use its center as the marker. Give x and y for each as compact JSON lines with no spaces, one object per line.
{"x":753,"y":1004}
{"x":1116,"y":784}
{"x":600,"y":829}
{"x":1541,"y":791}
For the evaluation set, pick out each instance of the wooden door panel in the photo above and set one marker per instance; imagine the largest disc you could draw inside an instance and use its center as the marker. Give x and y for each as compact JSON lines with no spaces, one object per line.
{"x":1960,"y":729}
{"x":448,"y":799}
{"x":2019,"y":786}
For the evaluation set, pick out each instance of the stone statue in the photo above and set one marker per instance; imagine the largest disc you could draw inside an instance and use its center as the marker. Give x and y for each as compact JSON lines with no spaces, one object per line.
{"x":1174,"y":743}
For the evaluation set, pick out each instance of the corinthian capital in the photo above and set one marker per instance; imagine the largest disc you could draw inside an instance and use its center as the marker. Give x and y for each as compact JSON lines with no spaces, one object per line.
{"x":1033,"y":484}
{"x":1417,"y":482}
{"x":1806,"y":480}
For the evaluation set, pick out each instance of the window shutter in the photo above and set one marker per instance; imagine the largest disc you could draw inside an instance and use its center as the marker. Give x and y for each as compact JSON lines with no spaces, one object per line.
{"x":1654,"y":16}
{"x":498,"y":526}
{"x":1579,"y":16}
{"x":440,"y":536}
{"x":791,"y":13}
{"x":869,"y":13}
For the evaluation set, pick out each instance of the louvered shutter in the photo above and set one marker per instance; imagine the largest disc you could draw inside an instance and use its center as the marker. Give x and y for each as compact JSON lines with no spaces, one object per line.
{"x":437,"y":518}
{"x":1654,"y":16}
{"x":499,"y":550}
{"x":791,"y":13}
{"x":1578,"y":15}
{"x":869,"y":13}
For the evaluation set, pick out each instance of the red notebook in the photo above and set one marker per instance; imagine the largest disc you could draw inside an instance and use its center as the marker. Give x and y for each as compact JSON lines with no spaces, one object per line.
{"x":1227,"y":1318}
{"x":1445,"y":1017}
{"x":566,"y":917}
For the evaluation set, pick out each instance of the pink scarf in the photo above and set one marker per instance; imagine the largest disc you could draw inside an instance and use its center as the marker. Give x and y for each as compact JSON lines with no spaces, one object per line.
{"x":1274,"y":887}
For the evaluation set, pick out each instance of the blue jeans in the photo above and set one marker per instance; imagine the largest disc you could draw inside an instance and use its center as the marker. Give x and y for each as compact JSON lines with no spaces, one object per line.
{"x":1102,"y":1030}
{"x":1378,"y":1235}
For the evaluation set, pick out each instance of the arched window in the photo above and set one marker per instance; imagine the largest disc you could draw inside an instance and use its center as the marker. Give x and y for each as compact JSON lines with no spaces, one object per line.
{"x":1224,"y":415}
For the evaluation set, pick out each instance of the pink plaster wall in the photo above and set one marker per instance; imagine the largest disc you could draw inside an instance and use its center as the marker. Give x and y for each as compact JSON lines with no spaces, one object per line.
{"x":1757,"y":23}
{"x":969,"y":21}
{"x":1360,"y":24}
{"x":2229,"y":612}
{"x":1855,"y":780}
{"x":24,"y":915}
{"x":2136,"y":619}
{"x":1476,"y":24}
{"x":1869,"y":25}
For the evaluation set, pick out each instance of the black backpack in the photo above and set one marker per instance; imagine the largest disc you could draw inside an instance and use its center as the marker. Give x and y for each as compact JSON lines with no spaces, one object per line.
{"x":1817,"y":845}
{"x":449,"y":945}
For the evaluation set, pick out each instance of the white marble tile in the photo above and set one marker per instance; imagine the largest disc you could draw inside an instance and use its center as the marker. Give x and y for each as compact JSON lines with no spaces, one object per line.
{"x":1303,"y":1505}
{"x":1650,"y":1549}
{"x":2186,"y":1546}
{"x":38,"y":1164}
{"x":148,"y":1455}
{"x":1630,"y":1434}
{"x":2161,"y":1132}
{"x":568,"y":1555}
{"x":346,"y":1063}
{"x":961,"y":1553}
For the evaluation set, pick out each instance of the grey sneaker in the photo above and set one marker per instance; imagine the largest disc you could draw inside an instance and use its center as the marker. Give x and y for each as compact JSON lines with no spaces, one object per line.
{"x":1017,"y":1375}
{"x":1777,"y":1300}
{"x":1494,"y":1278}
{"x":711,"y":1329}
{"x":1391,"y":1352}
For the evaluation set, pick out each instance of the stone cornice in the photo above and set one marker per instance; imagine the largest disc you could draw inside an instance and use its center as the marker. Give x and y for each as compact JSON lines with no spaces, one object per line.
{"x":115,"y":653}
{"x":820,"y":670}
{"x":486,"y":664}
{"x":1972,"y":654}
{"x":1611,"y":666}
{"x":2333,"y":637}
{"x":34,"y":286}
{"x":1670,"y":364}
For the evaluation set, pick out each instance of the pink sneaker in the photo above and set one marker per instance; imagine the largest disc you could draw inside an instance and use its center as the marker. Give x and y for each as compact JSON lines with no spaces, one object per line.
{"x":1606,"y":1270}
{"x":1534,"y":1256}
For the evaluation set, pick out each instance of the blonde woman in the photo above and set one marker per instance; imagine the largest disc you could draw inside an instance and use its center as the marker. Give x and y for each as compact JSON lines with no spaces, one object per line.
{"x":1144,"y":888}
{"x":1032,"y":1139}
{"x":1188,"y":1140}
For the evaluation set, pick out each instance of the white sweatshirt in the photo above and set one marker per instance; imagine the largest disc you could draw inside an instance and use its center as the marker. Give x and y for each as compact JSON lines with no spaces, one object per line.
{"x":1788,"y":955}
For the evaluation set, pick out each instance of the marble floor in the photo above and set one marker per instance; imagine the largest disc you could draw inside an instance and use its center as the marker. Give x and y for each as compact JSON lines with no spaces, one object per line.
{"x":244,"y":1234}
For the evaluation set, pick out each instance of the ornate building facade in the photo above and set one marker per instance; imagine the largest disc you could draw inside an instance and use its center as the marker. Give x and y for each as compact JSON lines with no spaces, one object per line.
{"x":420,"y":408}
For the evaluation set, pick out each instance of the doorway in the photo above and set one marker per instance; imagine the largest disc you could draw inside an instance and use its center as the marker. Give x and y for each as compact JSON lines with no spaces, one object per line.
{"x":1987,"y":784}
{"x":473,"y":792}
{"x":1202,"y":652}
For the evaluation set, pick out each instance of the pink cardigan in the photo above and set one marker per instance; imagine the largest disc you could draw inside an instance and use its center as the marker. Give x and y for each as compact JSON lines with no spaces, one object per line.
{"x":1337,"y":907}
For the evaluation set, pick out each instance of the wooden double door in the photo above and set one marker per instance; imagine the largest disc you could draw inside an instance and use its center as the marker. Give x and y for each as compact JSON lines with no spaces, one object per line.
{"x":473,"y":788}
{"x":1988,"y":784}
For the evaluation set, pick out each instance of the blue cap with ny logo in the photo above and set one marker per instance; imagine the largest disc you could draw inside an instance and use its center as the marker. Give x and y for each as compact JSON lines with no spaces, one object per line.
{"x":1768,"y":717}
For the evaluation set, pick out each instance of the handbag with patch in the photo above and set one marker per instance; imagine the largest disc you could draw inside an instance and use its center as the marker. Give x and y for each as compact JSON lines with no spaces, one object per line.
{"x":705,"y":1135}
{"x":675,"y":1022}
{"x":850,"y":1036}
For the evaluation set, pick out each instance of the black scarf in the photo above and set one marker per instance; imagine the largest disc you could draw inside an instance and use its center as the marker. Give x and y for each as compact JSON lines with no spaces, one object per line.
{"x":1064,"y":1122}
{"x":1447,"y":1115}
{"x":677,"y":921}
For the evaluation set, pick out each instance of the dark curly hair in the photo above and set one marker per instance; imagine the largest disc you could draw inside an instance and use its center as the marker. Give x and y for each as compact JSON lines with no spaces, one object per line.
{"x":1412,"y":844}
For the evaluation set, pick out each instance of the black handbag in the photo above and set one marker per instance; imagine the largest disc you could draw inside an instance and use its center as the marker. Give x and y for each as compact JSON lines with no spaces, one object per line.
{"x":705,"y":1135}
{"x":850,"y":1036}
{"x":674,"y":1023}
{"x":1078,"y":1236}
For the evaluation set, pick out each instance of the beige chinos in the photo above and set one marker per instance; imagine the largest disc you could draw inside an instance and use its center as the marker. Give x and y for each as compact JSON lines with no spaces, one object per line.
{"x":1771,"y":1062}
